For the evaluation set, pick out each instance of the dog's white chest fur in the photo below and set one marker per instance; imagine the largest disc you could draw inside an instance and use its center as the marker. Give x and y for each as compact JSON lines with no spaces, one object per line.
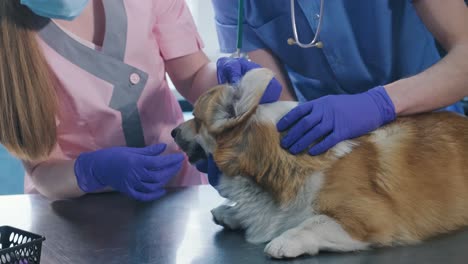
{"x":291,"y":230}
{"x":256,"y":211}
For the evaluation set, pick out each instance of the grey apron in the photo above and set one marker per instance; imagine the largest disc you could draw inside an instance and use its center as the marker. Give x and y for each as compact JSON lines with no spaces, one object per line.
{"x":107,"y":64}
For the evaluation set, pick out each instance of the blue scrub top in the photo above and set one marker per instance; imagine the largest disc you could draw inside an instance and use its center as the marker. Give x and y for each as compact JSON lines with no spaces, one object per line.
{"x":366,"y":42}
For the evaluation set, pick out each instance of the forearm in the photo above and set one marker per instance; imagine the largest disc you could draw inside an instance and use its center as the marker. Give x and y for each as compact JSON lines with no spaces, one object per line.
{"x":204,"y":79}
{"x":192,"y":75}
{"x":443,"y":84}
{"x":447,"y":81}
{"x":56,"y":180}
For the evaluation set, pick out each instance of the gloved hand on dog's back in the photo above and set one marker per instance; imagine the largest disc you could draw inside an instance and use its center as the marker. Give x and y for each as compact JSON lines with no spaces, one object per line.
{"x":328,"y":120}
{"x":231,"y":70}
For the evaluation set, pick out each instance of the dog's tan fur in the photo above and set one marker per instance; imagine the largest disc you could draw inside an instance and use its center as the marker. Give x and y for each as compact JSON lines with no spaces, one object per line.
{"x":404,"y":186}
{"x":403,"y":183}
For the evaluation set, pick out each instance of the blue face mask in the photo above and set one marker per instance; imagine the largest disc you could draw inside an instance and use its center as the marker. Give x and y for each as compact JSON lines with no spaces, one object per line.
{"x":60,"y":9}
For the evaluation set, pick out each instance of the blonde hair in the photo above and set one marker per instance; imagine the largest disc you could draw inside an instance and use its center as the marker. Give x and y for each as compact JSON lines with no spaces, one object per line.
{"x":28,"y":104}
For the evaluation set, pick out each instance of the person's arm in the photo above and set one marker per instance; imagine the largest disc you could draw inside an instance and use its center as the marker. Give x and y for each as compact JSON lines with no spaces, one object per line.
{"x":140,"y":173}
{"x":226,"y":21}
{"x":181,"y":48}
{"x":199,"y":74}
{"x":192,"y":74}
{"x":56,"y":180}
{"x":446,"y":82}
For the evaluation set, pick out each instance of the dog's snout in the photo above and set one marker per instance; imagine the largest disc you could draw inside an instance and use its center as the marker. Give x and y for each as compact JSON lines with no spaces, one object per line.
{"x":174,"y":132}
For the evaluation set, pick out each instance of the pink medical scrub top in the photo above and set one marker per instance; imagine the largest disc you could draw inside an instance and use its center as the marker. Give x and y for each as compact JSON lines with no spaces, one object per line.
{"x":117,"y":94}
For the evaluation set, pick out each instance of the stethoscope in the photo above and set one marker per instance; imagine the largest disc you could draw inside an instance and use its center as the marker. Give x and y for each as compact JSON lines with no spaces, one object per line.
{"x":314,"y":43}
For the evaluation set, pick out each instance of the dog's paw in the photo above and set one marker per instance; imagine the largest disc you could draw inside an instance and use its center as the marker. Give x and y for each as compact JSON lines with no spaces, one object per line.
{"x":288,"y":247}
{"x":224,"y":215}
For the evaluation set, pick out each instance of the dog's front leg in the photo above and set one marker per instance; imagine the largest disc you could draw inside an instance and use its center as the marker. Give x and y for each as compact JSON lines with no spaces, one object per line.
{"x":319,"y":232}
{"x":225,"y":215}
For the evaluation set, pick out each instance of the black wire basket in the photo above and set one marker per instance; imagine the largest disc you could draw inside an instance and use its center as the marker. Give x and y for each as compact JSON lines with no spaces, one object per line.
{"x":19,"y":247}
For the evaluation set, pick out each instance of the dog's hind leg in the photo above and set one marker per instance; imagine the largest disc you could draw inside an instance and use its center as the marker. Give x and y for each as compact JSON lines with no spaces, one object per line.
{"x":317,"y":233}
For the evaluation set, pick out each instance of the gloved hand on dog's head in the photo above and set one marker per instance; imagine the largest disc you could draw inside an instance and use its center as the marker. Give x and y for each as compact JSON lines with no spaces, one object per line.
{"x":231,"y":70}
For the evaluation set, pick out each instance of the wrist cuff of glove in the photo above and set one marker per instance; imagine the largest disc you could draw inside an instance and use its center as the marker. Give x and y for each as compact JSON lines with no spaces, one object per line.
{"x":85,"y":179}
{"x":384,"y":104}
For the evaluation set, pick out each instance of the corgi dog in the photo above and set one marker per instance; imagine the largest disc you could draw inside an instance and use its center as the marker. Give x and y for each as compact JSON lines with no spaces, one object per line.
{"x":398,"y":185}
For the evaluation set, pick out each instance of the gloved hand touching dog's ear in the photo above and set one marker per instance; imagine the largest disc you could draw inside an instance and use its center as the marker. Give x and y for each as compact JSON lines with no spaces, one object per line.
{"x":231,"y":70}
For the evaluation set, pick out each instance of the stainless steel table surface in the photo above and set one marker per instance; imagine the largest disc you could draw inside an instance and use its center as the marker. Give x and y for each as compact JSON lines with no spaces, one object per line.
{"x":111,"y":228}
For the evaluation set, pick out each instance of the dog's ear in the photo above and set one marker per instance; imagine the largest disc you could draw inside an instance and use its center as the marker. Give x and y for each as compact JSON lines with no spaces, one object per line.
{"x":239,"y":102}
{"x":251,"y":89}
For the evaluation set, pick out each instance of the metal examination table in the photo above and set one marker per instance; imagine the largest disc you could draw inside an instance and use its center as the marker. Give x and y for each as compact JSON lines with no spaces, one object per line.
{"x":111,"y":228}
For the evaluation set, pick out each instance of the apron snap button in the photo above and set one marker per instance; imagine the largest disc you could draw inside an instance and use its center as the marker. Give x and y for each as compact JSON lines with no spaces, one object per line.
{"x":134,"y":78}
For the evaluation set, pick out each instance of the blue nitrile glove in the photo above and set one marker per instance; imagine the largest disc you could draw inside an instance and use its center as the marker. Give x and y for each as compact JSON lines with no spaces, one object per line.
{"x":334,"y":118}
{"x":141,"y":173}
{"x":231,"y":70}
{"x":209,"y":167}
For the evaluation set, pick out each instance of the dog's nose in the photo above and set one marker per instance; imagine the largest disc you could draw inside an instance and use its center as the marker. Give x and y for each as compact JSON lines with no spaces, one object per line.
{"x":174,"y":132}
